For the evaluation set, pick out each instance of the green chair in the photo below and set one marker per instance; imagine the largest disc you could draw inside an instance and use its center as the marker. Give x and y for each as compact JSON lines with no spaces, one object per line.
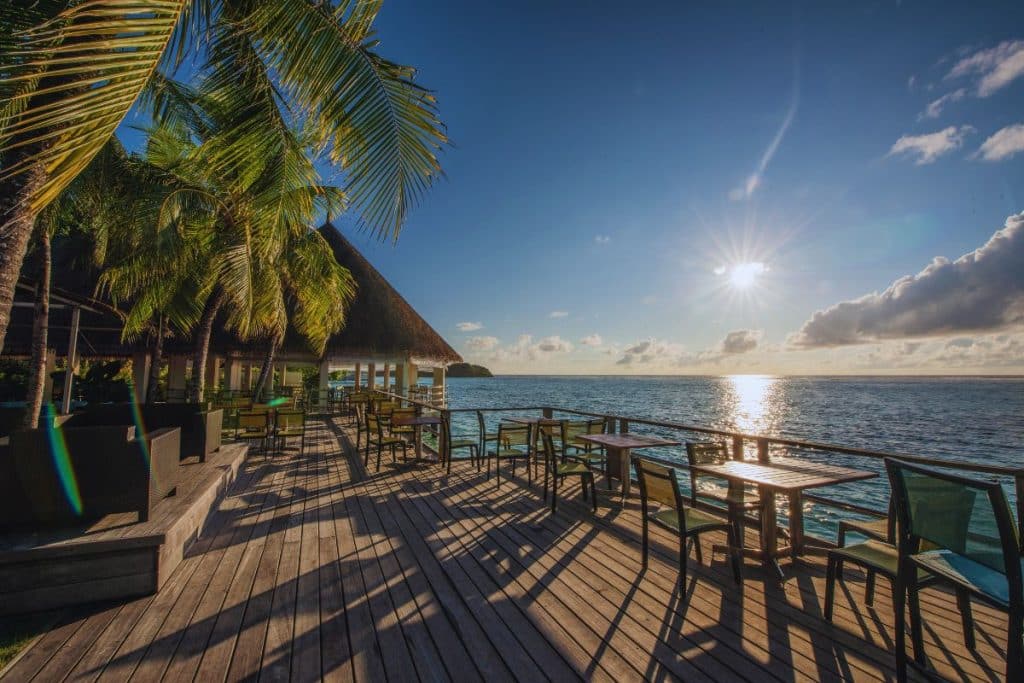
{"x":407,"y":432}
{"x":512,"y":444}
{"x":458,"y":442}
{"x":485,"y":436}
{"x":375,"y":436}
{"x":659,"y":485}
{"x":560,"y":469}
{"x":961,"y":531}
{"x":290,"y":424}
{"x":254,"y":426}
{"x":737,"y":502}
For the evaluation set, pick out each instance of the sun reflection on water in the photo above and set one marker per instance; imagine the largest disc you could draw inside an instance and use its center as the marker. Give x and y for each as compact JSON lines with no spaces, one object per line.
{"x":753,"y":402}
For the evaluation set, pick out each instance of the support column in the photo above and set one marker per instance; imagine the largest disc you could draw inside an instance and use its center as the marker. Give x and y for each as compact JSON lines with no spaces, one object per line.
{"x":437,"y":390}
{"x":176,"y":367}
{"x":140,"y":374}
{"x":323,"y":385}
{"x":233,"y":374}
{"x":65,"y":406}
{"x":358,"y":375}
{"x":387,"y":377}
{"x":400,"y":384}
{"x":371,"y":376}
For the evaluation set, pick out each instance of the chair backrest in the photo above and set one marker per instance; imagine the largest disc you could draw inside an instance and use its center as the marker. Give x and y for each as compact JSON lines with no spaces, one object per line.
{"x":253,"y":421}
{"x":597,"y":426}
{"x":510,"y":434}
{"x":550,"y":457}
{"x":706,"y":452}
{"x":291,"y":419}
{"x":573,"y":428}
{"x":373,"y":425}
{"x":659,"y":483}
{"x":386,"y":407}
{"x":481,"y":422}
{"x":968,"y":517}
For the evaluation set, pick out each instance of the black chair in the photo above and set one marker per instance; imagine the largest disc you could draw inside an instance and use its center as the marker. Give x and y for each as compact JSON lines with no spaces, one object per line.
{"x":962,"y":532}
{"x":485,"y":436}
{"x":659,"y":484}
{"x":375,"y":436}
{"x":455,"y":443}
{"x":512,"y":444}
{"x":560,"y":469}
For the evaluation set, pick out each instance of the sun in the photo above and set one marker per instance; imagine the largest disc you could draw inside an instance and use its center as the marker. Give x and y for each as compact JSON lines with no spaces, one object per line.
{"x":743,"y":276}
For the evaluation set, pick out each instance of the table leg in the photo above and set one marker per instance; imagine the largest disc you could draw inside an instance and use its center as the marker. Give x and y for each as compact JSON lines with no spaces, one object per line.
{"x":796,"y":524}
{"x":419,"y":442}
{"x":618,"y":466}
{"x":770,"y":530}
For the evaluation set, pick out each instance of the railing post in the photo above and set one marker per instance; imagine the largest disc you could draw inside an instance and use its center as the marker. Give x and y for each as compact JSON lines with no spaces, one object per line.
{"x":442,"y":441}
{"x":548,"y":413}
{"x":737,"y":447}
{"x":762,"y":450}
{"x":623,"y":426}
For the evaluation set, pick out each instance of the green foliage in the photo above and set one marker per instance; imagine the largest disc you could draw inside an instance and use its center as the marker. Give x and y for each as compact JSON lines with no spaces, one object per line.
{"x":468,"y":370}
{"x":13,"y":380}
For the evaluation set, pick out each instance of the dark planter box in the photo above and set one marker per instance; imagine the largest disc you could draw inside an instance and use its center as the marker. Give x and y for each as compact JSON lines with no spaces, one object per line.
{"x":200,"y":429}
{"x":72,"y":475}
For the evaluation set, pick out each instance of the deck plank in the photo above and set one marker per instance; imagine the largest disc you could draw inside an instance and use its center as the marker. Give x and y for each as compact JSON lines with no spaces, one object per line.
{"x":314,"y":568}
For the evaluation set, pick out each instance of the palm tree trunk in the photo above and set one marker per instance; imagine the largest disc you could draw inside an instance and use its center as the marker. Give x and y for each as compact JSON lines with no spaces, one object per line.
{"x":268,"y":367}
{"x":40,"y":327}
{"x":203,"y":335}
{"x":17,"y":220}
{"x":158,"y":359}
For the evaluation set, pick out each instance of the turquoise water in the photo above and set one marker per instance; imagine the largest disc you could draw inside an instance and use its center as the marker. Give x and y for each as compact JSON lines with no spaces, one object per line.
{"x":972,"y":419}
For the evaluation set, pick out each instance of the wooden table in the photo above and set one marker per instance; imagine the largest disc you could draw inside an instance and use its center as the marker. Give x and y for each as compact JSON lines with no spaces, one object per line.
{"x":618,"y":447}
{"x":788,"y":476}
{"x":417,"y":422}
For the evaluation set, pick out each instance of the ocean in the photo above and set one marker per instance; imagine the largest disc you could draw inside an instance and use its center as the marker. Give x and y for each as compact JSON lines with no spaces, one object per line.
{"x":977,"y":419}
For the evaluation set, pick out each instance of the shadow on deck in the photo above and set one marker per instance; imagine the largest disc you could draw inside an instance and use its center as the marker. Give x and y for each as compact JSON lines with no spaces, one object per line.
{"x":314,"y":567}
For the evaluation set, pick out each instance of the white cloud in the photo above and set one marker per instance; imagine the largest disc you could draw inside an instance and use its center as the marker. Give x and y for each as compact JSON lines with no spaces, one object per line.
{"x":481,"y":343}
{"x":994,"y":67}
{"x":753,"y":181}
{"x":1003,"y":144}
{"x":602,"y":239}
{"x":982,"y":291}
{"x":469,"y":327}
{"x":554,"y":344}
{"x":927,"y":148}
{"x":741,"y":341}
{"x":558,"y":314}
{"x":653,"y":351}
{"x":935,"y":107}
{"x":591,"y":340}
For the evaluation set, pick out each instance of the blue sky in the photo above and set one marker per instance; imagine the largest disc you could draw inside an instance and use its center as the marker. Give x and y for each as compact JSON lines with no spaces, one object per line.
{"x":609,"y":158}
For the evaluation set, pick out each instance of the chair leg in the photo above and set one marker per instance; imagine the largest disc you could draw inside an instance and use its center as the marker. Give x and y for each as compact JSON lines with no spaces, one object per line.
{"x":1015,"y":646}
{"x":682,"y":562}
{"x":899,"y":602}
{"x":379,"y":450}
{"x":869,"y":588}
{"x":643,"y":543}
{"x":593,"y":494}
{"x":916,"y":631}
{"x":697,"y":549}
{"x":734,"y":556}
{"x":830,"y":585}
{"x":841,"y":540}
{"x":554,"y":494}
{"x":963,"y":602}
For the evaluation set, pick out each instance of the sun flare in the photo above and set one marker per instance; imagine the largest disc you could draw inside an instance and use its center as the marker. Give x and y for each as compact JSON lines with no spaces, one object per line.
{"x":743,"y":276}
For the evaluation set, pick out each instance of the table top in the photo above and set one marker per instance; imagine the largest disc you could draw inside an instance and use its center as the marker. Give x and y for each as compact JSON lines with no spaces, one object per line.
{"x":626,"y":440}
{"x":413,"y":420}
{"x":785,"y":474}
{"x":532,"y":420}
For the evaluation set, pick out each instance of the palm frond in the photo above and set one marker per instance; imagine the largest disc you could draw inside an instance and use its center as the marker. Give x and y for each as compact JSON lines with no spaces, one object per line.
{"x":86,"y":66}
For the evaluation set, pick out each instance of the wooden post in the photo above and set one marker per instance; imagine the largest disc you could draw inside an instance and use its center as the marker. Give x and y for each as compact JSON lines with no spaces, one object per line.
{"x":547,"y":413}
{"x":358,"y":375}
{"x":387,"y":377}
{"x":437,"y":389}
{"x":401,"y":383}
{"x":233,"y":374}
{"x":371,"y":376}
{"x":65,"y":404}
{"x":212,"y":379}
{"x":762,"y":450}
{"x":737,"y":448}
{"x":140,"y":374}
{"x":624,"y":426}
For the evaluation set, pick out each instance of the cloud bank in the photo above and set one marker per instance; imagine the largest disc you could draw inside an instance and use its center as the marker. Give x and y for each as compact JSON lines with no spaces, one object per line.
{"x":1003,"y":144}
{"x":925,"y":149}
{"x":982,"y":291}
{"x":741,"y":341}
{"x":994,"y":68}
{"x":481,"y":343}
{"x":591,"y":340}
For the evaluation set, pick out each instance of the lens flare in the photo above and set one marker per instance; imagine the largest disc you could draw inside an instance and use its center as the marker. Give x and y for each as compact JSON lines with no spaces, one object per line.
{"x":140,"y":428}
{"x":279,"y":401}
{"x":62,"y":460}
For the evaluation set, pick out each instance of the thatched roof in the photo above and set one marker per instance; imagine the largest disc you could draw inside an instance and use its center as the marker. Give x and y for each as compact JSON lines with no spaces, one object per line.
{"x":381,"y":324}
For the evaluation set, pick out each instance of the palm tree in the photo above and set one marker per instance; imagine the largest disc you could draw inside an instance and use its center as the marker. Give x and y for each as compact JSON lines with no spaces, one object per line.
{"x":70,"y":71}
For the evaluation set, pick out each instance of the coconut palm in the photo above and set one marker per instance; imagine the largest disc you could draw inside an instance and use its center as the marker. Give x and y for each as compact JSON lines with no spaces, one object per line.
{"x":70,"y":71}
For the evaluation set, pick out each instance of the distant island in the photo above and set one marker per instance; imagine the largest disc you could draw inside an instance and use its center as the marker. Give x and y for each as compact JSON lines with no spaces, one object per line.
{"x":468,"y":370}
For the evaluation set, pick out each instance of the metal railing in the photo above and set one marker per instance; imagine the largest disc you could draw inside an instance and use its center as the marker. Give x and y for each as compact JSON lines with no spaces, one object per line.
{"x":758,"y":446}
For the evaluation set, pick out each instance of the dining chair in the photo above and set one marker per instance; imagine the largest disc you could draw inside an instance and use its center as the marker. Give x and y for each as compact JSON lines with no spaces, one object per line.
{"x":290,"y":424}
{"x":559,"y":469}
{"x":512,"y":444}
{"x":457,"y":442}
{"x":485,"y":436}
{"x":254,"y":426}
{"x":375,"y":436}
{"x":659,"y":486}
{"x":407,"y":432}
{"x":962,"y":532}
{"x":738,"y":501}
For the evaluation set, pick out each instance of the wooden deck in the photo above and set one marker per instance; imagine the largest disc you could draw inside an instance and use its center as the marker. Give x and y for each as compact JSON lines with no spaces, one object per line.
{"x":314,"y":568}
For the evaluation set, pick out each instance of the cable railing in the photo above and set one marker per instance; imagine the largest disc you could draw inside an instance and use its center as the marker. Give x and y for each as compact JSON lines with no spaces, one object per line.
{"x":755,"y":447}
